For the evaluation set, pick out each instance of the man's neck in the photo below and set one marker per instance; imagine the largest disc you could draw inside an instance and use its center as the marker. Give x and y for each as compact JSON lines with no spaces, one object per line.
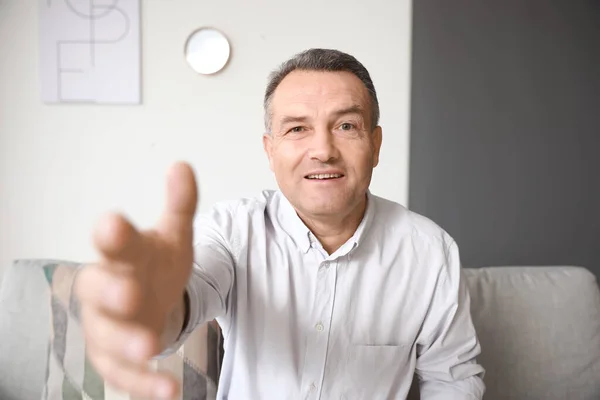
{"x":333,"y":232}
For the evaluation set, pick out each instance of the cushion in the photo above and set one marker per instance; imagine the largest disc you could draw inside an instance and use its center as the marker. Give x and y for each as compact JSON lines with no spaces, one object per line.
{"x":539,"y":329}
{"x":24,"y":331}
{"x":70,"y":375}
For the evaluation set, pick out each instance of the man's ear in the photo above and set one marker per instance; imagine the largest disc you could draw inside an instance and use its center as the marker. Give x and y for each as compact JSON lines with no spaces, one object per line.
{"x":268,"y":147}
{"x":377,"y":139}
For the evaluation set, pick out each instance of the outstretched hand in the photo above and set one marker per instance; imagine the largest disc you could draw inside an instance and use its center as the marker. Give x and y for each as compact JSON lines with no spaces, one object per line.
{"x":132,"y":299}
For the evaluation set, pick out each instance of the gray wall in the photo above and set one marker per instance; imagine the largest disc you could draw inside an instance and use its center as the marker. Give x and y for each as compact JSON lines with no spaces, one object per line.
{"x":505,"y":135}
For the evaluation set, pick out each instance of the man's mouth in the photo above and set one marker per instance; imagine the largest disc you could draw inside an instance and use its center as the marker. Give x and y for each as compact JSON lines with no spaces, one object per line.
{"x":323,"y":176}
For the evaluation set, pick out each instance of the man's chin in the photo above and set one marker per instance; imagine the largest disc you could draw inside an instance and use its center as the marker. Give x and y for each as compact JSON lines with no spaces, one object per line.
{"x":325,"y":208}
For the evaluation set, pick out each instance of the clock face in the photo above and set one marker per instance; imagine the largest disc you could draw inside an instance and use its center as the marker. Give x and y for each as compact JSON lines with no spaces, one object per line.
{"x":207,"y":51}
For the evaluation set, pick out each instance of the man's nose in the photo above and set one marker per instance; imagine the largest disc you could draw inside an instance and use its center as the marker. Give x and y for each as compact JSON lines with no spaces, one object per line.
{"x":323,"y":147}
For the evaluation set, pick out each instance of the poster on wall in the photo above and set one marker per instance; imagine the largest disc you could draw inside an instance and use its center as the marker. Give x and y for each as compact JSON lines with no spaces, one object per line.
{"x":90,"y":51}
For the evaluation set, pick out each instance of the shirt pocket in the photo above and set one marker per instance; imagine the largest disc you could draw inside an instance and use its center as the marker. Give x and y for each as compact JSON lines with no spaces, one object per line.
{"x":377,"y":372}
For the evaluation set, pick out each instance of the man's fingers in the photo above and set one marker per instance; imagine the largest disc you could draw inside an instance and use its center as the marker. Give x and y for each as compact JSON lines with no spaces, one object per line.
{"x":138,"y":381}
{"x":118,"y":240}
{"x":122,"y":340}
{"x":181,"y":199}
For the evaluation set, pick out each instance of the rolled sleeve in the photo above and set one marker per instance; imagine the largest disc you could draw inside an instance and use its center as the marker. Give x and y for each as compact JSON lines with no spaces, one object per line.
{"x":446,"y":362}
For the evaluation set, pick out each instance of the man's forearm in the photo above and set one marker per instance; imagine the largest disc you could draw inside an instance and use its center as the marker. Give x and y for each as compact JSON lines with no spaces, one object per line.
{"x":200,"y":303}
{"x":471,"y":388}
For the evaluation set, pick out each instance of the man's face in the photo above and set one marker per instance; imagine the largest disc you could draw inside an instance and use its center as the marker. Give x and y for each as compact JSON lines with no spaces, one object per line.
{"x":321,"y":146}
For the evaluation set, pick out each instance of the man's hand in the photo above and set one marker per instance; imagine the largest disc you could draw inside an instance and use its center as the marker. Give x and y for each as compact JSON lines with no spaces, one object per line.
{"x":132,"y":300}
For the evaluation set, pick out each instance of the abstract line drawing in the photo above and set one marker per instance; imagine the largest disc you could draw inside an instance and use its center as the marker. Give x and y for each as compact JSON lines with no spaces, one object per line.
{"x":90,"y":51}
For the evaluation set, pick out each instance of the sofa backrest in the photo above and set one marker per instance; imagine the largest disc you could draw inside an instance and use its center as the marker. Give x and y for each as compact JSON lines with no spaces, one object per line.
{"x":539,"y":329}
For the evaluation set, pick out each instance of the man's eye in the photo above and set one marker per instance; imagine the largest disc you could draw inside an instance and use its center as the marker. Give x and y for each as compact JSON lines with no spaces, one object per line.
{"x":297,"y":129}
{"x":346,"y":126}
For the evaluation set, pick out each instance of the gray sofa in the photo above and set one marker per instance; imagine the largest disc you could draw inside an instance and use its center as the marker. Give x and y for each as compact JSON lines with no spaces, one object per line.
{"x":539,"y":329}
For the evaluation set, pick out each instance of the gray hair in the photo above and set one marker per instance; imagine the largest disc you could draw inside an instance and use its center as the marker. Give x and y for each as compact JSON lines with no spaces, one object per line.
{"x":321,"y":60}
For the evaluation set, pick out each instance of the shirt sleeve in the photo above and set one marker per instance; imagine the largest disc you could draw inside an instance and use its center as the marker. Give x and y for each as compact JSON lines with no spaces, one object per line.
{"x":446,"y":364}
{"x":212,"y":276}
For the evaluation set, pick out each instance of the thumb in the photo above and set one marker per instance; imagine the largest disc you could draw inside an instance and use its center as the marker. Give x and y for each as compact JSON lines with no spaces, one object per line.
{"x":182,"y":196}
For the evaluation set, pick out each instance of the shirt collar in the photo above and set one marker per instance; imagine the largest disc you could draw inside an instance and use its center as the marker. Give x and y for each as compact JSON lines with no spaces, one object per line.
{"x":302,"y":236}
{"x":292,"y":224}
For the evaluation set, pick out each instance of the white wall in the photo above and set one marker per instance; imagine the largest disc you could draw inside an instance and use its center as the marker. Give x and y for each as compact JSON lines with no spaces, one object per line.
{"x":61,"y":166}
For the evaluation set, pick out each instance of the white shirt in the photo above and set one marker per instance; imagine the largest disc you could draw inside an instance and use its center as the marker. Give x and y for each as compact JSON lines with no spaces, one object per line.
{"x":357,"y":324}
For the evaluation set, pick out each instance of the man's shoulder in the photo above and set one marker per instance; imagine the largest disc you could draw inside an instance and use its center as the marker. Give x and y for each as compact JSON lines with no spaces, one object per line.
{"x":405,"y":222}
{"x":241,"y":207}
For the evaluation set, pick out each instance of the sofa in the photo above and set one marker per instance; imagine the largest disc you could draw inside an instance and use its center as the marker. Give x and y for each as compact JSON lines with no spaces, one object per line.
{"x":539,"y":329}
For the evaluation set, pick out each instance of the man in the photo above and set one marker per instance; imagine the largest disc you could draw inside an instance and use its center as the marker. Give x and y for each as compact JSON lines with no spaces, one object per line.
{"x":322,"y":289}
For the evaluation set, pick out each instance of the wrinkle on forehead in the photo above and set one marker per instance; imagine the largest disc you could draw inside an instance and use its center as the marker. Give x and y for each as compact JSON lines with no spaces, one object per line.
{"x":316,"y":93}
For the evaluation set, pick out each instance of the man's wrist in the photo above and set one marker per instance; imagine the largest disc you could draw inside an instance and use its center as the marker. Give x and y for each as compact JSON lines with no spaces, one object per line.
{"x":177,"y":322}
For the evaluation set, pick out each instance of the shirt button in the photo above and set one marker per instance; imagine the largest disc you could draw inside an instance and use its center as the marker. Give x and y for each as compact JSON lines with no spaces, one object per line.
{"x":312,"y":387}
{"x":326,"y":264}
{"x":319,"y":327}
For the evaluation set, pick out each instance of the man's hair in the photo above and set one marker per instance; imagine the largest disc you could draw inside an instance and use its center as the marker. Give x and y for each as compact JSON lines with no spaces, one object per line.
{"x":321,"y":60}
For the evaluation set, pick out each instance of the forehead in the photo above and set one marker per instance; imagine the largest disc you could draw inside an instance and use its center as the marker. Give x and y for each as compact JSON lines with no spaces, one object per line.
{"x":303,"y":90}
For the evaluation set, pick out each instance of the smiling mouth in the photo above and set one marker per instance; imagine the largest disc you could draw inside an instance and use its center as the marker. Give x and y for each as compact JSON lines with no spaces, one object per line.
{"x":323,"y":177}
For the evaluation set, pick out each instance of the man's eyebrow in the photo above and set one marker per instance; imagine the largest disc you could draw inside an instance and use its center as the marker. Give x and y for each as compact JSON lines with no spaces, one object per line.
{"x":288,"y":119}
{"x":353,"y":109}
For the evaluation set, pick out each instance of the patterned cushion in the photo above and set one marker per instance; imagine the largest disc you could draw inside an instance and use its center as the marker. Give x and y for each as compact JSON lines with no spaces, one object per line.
{"x":69,"y":374}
